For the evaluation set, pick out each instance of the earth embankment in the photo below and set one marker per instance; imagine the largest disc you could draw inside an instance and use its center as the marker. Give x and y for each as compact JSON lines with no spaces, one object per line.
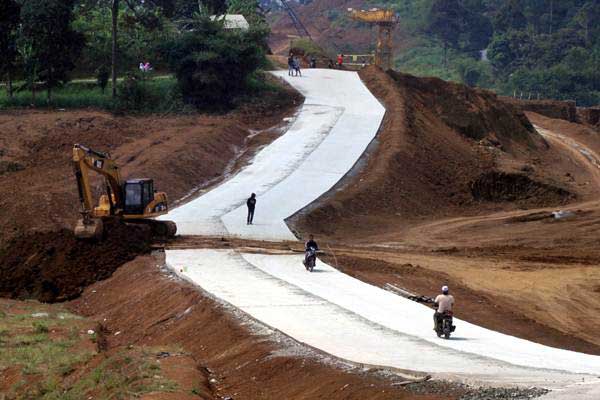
{"x":444,"y":149}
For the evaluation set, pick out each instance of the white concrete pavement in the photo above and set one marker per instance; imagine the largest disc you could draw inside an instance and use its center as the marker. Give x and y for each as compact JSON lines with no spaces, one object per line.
{"x":338,"y":120}
{"x":330,"y":310}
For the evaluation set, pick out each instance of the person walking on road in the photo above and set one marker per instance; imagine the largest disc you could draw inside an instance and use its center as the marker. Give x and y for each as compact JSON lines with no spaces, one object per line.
{"x":290,"y":65}
{"x":297,"y":66}
{"x":251,"y":203}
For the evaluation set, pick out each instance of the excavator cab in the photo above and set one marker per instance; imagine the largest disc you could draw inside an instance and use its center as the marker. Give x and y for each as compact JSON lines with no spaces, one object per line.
{"x":139,"y":193}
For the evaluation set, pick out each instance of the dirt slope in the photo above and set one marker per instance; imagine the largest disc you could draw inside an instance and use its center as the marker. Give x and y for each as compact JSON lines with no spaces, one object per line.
{"x":460,"y":187}
{"x":148,"y":307}
{"x":181,"y":153}
{"x":444,"y":149}
{"x":55,"y":266}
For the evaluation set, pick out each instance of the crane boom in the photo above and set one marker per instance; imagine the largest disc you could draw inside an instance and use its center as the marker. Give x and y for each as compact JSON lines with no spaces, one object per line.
{"x":300,"y":28}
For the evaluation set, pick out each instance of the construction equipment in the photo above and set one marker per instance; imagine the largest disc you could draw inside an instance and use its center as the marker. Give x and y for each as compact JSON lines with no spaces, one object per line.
{"x":132,"y":200}
{"x":386,"y":21}
{"x":300,"y":28}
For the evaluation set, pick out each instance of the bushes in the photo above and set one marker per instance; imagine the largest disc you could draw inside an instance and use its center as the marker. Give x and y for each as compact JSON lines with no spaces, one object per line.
{"x":212,"y":64}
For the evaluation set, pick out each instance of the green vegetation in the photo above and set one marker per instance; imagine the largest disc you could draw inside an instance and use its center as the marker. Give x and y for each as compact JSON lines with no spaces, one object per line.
{"x":157,"y":95}
{"x":42,"y":346}
{"x":212,"y":64}
{"x":545,"y":47}
{"x":48,"y":42}
{"x":309,"y":47}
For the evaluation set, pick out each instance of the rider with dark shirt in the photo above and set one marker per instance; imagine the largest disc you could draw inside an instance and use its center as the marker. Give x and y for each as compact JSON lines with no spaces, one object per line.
{"x":311,"y":244}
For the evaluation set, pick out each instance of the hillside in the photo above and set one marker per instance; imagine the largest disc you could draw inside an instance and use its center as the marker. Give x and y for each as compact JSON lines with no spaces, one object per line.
{"x":445,"y":149}
{"x":545,"y":48}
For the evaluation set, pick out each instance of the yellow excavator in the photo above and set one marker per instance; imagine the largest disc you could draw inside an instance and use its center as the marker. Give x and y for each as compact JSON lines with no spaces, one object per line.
{"x":133,"y":200}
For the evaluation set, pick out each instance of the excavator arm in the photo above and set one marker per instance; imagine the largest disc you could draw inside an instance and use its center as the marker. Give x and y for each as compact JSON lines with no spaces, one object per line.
{"x":86,"y":160}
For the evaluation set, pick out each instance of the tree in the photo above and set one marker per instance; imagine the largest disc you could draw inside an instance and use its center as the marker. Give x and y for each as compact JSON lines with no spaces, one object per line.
{"x":510,"y":17}
{"x":55,"y":45}
{"x":446,"y":23}
{"x":9,"y":23}
{"x":212,"y":64}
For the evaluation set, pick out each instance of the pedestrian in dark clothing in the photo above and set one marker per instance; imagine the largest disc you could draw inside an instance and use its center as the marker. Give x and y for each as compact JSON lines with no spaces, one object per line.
{"x":313,"y":62}
{"x":251,"y":203}
{"x":297,"y":66}
{"x":290,"y":65}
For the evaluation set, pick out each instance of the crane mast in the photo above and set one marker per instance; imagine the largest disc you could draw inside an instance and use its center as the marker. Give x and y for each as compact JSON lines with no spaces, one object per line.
{"x":386,"y":21}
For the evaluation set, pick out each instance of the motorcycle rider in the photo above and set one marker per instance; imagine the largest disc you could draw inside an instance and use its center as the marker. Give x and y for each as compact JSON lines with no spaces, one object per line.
{"x":310,"y":244}
{"x":443,"y":302}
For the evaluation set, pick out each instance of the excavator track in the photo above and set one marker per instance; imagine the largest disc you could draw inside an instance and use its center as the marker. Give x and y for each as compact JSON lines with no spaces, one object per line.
{"x":160,"y":229}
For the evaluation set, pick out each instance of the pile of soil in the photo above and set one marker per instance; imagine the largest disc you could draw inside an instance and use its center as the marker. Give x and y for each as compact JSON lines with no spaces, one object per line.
{"x":438,"y":141}
{"x":558,"y":109}
{"x":500,"y":186}
{"x":55,"y":266}
{"x":474,"y":113}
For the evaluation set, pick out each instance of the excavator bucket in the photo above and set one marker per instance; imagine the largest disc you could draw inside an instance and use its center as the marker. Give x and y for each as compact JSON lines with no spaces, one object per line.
{"x":90,"y":229}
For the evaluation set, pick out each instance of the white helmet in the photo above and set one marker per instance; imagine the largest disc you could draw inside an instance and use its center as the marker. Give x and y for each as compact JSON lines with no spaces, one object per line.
{"x":445,"y":289}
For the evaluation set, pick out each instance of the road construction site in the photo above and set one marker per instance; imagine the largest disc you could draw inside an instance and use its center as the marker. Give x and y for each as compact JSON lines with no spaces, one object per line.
{"x":406,"y":182}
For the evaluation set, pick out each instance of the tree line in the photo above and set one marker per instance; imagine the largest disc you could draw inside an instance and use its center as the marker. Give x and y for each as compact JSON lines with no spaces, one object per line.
{"x":45,"y":42}
{"x":546,"y":46}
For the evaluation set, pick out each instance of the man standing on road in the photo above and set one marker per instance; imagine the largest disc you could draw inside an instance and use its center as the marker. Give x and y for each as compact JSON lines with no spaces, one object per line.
{"x":251,"y":203}
{"x":444,"y":302}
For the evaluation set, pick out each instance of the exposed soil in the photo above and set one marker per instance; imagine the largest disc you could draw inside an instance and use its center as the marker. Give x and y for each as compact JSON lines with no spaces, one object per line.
{"x":444,"y":149}
{"x":55,"y":266}
{"x":244,"y":361}
{"x":460,"y":198}
{"x":70,"y":362}
{"x":509,"y":187}
{"x":181,"y":153}
{"x":485,"y":309}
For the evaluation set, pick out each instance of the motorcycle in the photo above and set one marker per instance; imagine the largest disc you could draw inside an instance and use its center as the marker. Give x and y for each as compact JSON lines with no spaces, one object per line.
{"x":310,"y":259}
{"x":445,"y":327}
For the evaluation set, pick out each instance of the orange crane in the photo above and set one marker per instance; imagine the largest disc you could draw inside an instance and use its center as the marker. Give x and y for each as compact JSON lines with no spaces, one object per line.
{"x":386,"y":21}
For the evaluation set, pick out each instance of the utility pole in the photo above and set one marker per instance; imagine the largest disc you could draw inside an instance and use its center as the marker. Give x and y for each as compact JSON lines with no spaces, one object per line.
{"x":115,"y":20}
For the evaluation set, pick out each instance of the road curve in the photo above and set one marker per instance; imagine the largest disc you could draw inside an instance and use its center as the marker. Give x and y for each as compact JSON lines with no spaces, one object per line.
{"x":338,"y":120}
{"x":328,"y":309}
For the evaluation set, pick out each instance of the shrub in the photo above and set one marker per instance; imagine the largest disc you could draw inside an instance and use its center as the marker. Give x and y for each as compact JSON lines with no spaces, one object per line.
{"x":212,"y":64}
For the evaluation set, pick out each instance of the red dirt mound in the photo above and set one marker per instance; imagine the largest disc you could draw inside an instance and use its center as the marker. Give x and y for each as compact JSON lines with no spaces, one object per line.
{"x":438,"y":141}
{"x":501,"y":186}
{"x":55,"y":266}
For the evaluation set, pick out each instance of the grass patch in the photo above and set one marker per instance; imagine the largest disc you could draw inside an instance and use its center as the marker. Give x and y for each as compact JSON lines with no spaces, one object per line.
{"x":129,"y":373}
{"x":158,"y":95}
{"x":45,"y":346}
